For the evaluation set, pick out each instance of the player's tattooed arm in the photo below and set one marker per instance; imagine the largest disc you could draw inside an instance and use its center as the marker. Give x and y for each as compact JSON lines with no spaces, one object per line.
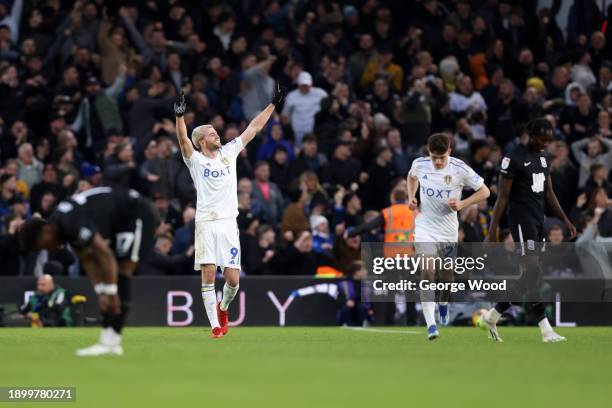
{"x":505,"y":185}
{"x":180,"y":106}
{"x":553,"y":202}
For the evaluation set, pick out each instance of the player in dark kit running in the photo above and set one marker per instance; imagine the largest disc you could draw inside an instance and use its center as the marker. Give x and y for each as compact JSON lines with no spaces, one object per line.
{"x":110,"y":230}
{"x":525,"y":187}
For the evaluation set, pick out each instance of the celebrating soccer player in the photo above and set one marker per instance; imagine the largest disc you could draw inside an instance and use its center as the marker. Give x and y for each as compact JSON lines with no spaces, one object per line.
{"x":525,"y":186}
{"x":441,"y":178}
{"x":213,"y":169}
{"x":111,"y":231}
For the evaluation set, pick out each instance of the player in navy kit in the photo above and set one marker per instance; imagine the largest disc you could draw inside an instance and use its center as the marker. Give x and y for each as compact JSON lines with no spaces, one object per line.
{"x":111,"y":231}
{"x":525,"y":188}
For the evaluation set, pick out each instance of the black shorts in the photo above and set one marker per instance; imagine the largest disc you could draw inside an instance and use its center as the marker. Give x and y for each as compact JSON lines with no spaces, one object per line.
{"x":135,"y":232}
{"x":529,"y":237}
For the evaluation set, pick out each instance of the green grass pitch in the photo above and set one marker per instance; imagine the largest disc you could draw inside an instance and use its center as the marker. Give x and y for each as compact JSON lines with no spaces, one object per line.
{"x":315,"y":367}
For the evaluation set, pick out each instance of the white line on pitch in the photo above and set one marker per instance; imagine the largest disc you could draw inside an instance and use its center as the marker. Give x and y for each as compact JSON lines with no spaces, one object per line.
{"x":380,"y":330}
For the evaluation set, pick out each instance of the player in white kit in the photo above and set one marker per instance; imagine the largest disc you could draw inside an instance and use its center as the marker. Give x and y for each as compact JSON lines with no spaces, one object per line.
{"x":213,"y":169}
{"x":441,"y":179}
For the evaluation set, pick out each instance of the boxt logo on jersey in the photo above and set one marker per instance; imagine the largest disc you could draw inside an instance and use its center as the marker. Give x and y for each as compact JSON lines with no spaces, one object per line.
{"x":443,"y":194}
{"x":217,"y":173}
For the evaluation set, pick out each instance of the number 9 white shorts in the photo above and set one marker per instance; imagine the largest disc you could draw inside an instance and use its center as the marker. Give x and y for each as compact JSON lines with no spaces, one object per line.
{"x":217,"y":242}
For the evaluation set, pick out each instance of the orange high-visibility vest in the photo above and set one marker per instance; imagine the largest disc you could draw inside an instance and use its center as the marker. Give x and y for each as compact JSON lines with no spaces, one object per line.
{"x":399,"y":229}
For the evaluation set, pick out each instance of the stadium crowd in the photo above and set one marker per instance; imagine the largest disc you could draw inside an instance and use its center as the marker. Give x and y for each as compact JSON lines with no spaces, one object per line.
{"x":86,"y":91}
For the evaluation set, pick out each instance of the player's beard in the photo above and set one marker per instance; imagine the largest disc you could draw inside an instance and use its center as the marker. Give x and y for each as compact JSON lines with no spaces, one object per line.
{"x":213,"y":146}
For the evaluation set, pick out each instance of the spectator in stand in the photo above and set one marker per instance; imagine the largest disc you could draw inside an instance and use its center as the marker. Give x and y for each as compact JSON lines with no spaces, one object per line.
{"x":183,"y":237}
{"x":598,"y":178}
{"x":322,"y":240}
{"x":161,"y":262}
{"x":259,"y":87}
{"x":294,"y":219}
{"x":98,"y":112}
{"x":598,"y":150}
{"x":299,"y":258}
{"x":347,"y":209}
{"x":384,"y":65}
{"x":159,"y":173}
{"x":49,"y":306}
{"x":267,"y":195}
{"x":301,"y":106}
{"x":262,"y":255}
{"x":564,"y":175}
{"x":465,"y":99}
{"x":274,"y":138}
{"x":8,"y":192}
{"x":308,"y":159}
{"x":30,"y":169}
{"x":342,"y":169}
{"x":376,"y":189}
{"x":120,"y":169}
{"x":48,"y":184}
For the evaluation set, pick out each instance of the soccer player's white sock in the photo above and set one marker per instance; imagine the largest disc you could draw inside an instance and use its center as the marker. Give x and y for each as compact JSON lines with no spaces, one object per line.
{"x":229,"y":292}
{"x":109,"y":337}
{"x":545,"y":327}
{"x":492,"y":315}
{"x":209,"y":297}
{"x":428,"y":305}
{"x":429,"y":311}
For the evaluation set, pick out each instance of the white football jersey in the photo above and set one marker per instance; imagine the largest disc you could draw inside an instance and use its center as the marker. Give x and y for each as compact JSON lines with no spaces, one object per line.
{"x":216,"y":182}
{"x":437,"y":222}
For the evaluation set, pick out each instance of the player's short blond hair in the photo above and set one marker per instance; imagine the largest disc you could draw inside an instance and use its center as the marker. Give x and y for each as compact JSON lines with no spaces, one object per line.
{"x":198,"y":134}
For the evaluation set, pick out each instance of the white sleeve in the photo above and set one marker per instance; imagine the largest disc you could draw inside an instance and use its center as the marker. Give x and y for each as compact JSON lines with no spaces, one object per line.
{"x":193,"y":160}
{"x":472,"y":179}
{"x":415,"y":170}
{"x":233,"y":148}
{"x":288,"y":107}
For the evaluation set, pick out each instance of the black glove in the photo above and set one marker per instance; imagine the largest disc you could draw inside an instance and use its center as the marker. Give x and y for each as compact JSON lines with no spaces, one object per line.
{"x":180,"y":106}
{"x":279,"y":95}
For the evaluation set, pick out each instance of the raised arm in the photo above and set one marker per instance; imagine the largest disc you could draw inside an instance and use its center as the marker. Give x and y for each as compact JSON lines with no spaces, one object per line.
{"x":180,"y":106}
{"x":258,"y":123}
{"x":577,"y":147}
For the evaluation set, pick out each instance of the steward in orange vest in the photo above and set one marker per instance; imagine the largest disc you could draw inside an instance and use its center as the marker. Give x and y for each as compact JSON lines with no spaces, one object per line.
{"x":398,"y":222}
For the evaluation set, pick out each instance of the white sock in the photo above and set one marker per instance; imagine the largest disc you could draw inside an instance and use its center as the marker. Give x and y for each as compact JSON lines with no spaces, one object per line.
{"x":545,"y":327}
{"x":429,"y":311}
{"x":110,"y":337}
{"x":229,"y":292}
{"x":209,"y":297}
{"x":492,"y":315}
{"x":429,"y":307}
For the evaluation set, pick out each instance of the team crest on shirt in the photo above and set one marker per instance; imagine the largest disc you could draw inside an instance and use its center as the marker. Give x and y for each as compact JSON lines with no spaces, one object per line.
{"x":225,"y":160}
{"x":505,"y":163}
{"x":448,"y":179}
{"x":543,"y":160}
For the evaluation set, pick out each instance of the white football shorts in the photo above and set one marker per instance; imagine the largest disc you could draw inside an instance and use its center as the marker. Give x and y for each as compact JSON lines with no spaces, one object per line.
{"x":217,"y":242}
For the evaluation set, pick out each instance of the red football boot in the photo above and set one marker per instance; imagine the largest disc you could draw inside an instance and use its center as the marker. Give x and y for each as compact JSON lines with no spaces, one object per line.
{"x":223,"y":317}
{"x":217,"y":333}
